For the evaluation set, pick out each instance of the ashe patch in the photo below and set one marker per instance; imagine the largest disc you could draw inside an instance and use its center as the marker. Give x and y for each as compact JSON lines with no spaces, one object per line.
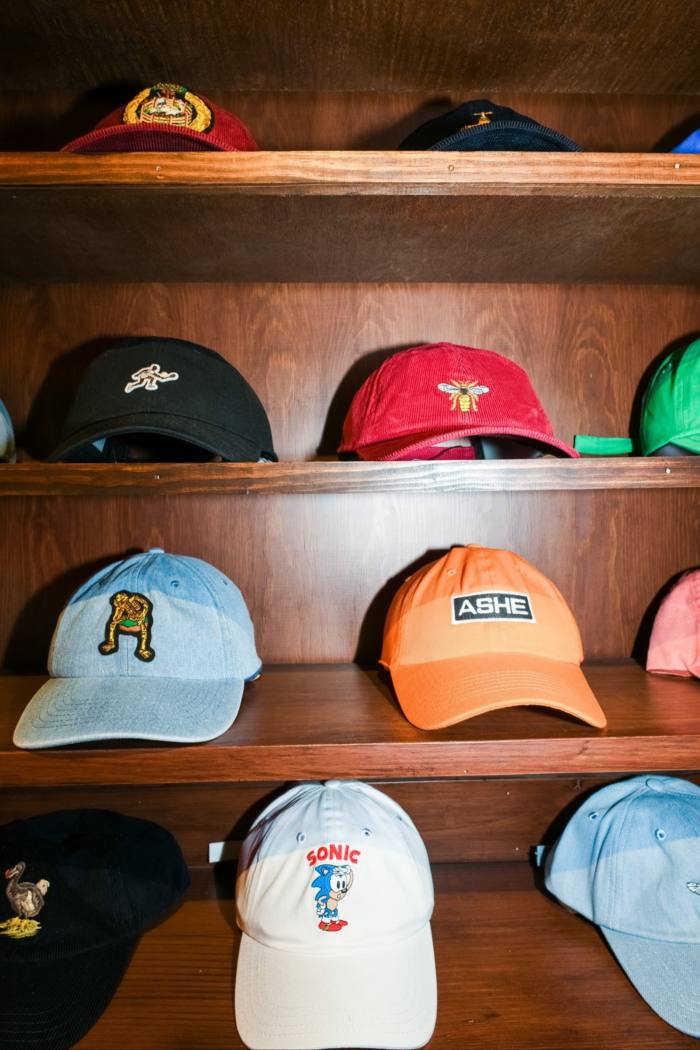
{"x":492,"y":605}
{"x":131,"y":614}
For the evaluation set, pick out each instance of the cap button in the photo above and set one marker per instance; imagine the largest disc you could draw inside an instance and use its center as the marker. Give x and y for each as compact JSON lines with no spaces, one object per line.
{"x":155,"y":550}
{"x":656,"y":784}
{"x":333,"y":784}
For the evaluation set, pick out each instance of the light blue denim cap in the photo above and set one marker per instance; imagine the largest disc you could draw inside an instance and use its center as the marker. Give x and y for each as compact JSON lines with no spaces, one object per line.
{"x":155,"y":647}
{"x":629,"y":860}
{"x":7,"y":436}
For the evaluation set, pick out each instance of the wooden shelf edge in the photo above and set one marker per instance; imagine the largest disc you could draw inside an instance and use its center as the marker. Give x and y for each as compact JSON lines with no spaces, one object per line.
{"x":67,"y":479}
{"x":363,"y":172}
{"x":396,"y":761}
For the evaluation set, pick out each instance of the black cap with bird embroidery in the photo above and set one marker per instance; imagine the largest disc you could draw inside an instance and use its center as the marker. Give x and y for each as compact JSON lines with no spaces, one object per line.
{"x":80,"y":887}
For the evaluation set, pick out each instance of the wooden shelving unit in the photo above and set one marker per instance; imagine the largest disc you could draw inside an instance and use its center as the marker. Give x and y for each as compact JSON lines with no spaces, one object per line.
{"x":169,"y":479}
{"x":320,"y":216}
{"x":653,"y":724}
{"x":306,"y":264}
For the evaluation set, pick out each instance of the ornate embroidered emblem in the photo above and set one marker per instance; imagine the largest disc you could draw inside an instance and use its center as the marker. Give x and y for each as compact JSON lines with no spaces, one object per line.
{"x":332,"y":882}
{"x":170,"y":104}
{"x":464,"y":394}
{"x":131,"y":614}
{"x":694,"y":887}
{"x":149,"y":377}
{"x":26,"y":900}
{"x":483,"y":116}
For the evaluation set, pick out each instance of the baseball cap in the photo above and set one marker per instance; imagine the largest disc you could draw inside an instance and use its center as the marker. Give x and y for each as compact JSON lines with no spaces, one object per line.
{"x":629,"y":860}
{"x":481,"y":124}
{"x":690,"y":144}
{"x":166,"y":117}
{"x":670,"y":410}
{"x":674,"y":646}
{"x":425,"y":402}
{"x":82,"y":886}
{"x":155,"y":647}
{"x":480,"y":629}
{"x":167,"y":387}
{"x":334,"y":897}
{"x":7,"y":436}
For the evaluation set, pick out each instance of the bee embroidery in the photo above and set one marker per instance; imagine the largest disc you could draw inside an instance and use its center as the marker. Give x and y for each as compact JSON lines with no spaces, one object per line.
{"x":464,"y":393}
{"x":483,"y":116}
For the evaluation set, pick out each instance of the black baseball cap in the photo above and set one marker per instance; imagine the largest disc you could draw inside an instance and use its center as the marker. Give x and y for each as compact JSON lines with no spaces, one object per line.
{"x":482,"y":125}
{"x":161,"y":398}
{"x":81,"y":886}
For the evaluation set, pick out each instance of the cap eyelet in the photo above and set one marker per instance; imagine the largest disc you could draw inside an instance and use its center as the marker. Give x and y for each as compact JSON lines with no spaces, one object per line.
{"x":367,"y":833}
{"x":174,"y":584}
{"x":660,"y":834}
{"x":594,"y":815}
{"x":301,"y":837}
{"x":451,"y":572}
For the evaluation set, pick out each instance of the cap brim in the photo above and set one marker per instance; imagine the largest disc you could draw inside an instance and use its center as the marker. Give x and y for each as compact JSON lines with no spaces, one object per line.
{"x":665,"y":973}
{"x":51,"y":1005}
{"x":411,"y":447}
{"x":231,"y":446}
{"x":385,"y":998}
{"x":176,"y":710}
{"x":441,"y":693}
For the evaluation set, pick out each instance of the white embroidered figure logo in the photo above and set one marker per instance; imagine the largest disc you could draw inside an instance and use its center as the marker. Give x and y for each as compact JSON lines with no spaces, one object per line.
{"x":694,"y":887}
{"x":149,"y":377}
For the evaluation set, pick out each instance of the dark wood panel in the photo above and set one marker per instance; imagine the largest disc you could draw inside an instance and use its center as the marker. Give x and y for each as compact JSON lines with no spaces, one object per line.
{"x":515,"y":970}
{"x":169,"y":479}
{"x":459,"y":820}
{"x":577,"y":45}
{"x":302,"y":120}
{"x":306,"y":349}
{"x":319,"y":572}
{"x":342,"y":721}
{"x":321,"y":218}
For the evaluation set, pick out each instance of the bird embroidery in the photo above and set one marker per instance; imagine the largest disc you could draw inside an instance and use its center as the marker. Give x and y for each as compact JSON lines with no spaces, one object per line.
{"x":26,"y":900}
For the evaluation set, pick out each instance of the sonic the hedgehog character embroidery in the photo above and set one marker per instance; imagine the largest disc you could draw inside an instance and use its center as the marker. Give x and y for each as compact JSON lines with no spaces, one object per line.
{"x":333,"y":882}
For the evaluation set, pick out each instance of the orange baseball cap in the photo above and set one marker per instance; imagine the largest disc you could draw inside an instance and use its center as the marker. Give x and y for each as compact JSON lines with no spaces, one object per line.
{"x":481,"y":629}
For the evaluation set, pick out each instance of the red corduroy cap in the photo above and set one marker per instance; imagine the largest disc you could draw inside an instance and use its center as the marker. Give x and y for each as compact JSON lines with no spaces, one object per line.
{"x":166,"y":118}
{"x":420,"y":400}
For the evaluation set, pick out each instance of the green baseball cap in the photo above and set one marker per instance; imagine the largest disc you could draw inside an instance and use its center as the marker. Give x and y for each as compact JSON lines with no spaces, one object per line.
{"x":670,"y":411}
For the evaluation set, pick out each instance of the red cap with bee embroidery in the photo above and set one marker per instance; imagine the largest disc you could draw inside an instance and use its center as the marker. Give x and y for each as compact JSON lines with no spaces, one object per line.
{"x":438,"y":401}
{"x":166,"y":118}
{"x":481,"y":629}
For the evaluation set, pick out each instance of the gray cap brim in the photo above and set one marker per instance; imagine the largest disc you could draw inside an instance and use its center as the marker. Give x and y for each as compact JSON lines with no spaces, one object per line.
{"x":665,"y":975}
{"x":176,"y":710}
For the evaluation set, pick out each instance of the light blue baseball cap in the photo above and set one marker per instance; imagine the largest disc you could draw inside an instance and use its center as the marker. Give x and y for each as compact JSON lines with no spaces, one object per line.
{"x":155,"y":647}
{"x":7,"y":436}
{"x":629,"y":860}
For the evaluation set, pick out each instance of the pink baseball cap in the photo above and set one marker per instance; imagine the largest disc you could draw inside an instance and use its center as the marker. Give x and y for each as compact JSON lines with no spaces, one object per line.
{"x":166,"y":118}
{"x":674,"y":647}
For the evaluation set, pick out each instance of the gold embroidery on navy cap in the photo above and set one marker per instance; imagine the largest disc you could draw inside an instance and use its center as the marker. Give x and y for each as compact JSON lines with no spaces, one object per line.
{"x":169,"y":104}
{"x":464,"y":394}
{"x":131,"y":614}
{"x":332,"y":885}
{"x":483,"y":116}
{"x":26,"y":900}
{"x":149,"y":377}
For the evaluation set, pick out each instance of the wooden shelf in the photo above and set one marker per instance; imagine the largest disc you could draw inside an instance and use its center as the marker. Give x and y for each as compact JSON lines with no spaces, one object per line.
{"x":515,"y":970}
{"x":166,"y":479}
{"x":575,"y":46}
{"x":321,"y":721}
{"x":350,"y":216}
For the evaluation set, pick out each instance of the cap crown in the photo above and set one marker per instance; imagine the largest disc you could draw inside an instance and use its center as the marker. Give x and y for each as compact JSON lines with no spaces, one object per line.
{"x":151,"y":383}
{"x":342,"y":838}
{"x":671,"y":408}
{"x":674,"y":646}
{"x":478,"y":600}
{"x":183,"y":610}
{"x":423,"y":395}
{"x":108,"y":877}
{"x":481,"y":124}
{"x":629,"y":859}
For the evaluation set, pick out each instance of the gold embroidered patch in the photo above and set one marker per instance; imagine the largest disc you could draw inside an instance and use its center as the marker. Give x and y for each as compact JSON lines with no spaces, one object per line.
{"x":170,"y":104}
{"x":483,"y":116}
{"x":131,"y":614}
{"x":26,"y":900}
{"x":464,"y":394}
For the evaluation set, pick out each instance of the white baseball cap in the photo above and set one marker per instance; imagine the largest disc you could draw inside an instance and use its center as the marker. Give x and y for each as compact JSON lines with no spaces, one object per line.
{"x":334,"y":897}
